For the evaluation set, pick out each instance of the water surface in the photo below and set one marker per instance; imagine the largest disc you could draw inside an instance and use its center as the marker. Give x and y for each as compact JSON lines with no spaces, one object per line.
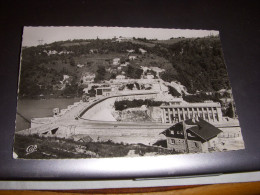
{"x":29,"y":109}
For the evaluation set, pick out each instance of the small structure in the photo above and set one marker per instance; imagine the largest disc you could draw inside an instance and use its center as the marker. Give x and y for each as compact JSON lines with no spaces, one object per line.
{"x":132,"y":57}
{"x":125,"y":64}
{"x":82,"y":138}
{"x":142,"y":51}
{"x":149,"y":76}
{"x":80,"y":65}
{"x":88,"y":78}
{"x":192,"y":136}
{"x":92,"y":51}
{"x":116,"y":61}
{"x":120,"y":77}
{"x":130,"y":50}
{"x":104,"y":91}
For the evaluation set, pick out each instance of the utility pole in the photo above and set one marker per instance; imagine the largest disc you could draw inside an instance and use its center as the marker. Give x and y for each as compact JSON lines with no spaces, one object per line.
{"x":185,"y":136}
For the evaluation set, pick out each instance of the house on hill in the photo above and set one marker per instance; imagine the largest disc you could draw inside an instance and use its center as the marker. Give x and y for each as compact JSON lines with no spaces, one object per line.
{"x":192,"y":136}
{"x":142,"y":51}
{"x":132,"y":57}
{"x":120,"y":77}
{"x":130,"y":50}
{"x":88,"y":78}
{"x":116,"y":61}
{"x":149,"y":76}
{"x":82,"y":138}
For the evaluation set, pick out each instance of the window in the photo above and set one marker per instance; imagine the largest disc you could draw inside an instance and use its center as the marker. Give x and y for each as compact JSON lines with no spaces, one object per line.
{"x":99,"y":91}
{"x":179,"y":133}
{"x":172,"y":141}
{"x":216,"y":116}
{"x":172,"y":132}
{"x":190,"y":109}
{"x":196,"y":144}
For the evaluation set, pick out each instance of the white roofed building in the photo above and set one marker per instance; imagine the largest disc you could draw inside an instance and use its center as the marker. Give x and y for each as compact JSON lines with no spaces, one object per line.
{"x":142,"y":51}
{"x":116,"y":61}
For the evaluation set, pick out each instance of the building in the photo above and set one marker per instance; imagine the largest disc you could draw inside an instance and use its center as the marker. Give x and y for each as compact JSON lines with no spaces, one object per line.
{"x":116,"y":61}
{"x":88,"y":78}
{"x":200,"y":136}
{"x":149,"y":76}
{"x":92,"y":51}
{"x":178,"y":110}
{"x":132,"y":57}
{"x":142,"y":51}
{"x":130,"y":50}
{"x":120,"y":77}
{"x":80,"y":65}
{"x":125,"y":64}
{"x":104,"y":91}
{"x":120,"y":39}
{"x":82,"y":138}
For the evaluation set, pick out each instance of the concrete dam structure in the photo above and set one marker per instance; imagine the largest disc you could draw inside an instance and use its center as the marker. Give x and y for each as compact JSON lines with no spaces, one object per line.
{"x":92,"y":118}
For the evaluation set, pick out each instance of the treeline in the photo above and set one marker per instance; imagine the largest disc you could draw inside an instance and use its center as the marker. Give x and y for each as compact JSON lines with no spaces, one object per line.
{"x":199,"y":64}
{"x":201,"y":98}
{"x":100,"y":46}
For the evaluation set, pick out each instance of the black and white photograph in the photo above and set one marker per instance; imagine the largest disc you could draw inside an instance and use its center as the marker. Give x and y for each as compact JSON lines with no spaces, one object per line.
{"x":102,"y":92}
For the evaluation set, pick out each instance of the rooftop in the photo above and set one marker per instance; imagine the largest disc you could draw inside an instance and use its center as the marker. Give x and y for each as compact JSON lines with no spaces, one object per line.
{"x":199,"y":127}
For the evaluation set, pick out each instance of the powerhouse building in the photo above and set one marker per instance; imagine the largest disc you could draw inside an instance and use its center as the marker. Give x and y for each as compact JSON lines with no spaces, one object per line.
{"x":179,"y":110}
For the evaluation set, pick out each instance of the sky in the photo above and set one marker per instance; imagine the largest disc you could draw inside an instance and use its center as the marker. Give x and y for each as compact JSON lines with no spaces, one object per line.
{"x":32,"y":35}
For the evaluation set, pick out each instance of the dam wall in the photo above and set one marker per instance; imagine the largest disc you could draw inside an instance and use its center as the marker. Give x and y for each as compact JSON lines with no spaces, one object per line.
{"x":109,"y":103}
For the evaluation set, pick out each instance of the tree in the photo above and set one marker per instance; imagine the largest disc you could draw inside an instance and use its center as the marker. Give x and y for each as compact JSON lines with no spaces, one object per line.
{"x":134,"y":72}
{"x":130,"y":86}
{"x":101,"y":73}
{"x":230,"y":112}
{"x":72,"y":62}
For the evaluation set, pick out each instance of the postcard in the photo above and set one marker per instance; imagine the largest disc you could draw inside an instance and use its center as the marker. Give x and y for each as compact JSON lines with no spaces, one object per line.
{"x":99,"y":92}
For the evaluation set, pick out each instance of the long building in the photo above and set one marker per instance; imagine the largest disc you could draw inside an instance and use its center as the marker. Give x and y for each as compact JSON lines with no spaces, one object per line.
{"x":179,"y":110}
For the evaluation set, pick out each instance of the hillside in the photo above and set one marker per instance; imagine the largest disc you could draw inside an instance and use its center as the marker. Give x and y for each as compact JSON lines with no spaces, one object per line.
{"x":61,"y":148}
{"x":58,"y":68}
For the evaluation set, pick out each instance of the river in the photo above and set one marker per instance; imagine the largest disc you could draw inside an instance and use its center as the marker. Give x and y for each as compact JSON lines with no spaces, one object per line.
{"x":29,"y":109}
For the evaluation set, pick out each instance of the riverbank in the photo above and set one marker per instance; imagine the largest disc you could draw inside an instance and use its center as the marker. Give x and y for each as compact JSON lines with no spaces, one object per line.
{"x":37,"y":108}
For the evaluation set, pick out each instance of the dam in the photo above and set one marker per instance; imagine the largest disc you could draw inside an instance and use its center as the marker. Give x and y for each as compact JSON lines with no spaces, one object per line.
{"x":80,"y":119}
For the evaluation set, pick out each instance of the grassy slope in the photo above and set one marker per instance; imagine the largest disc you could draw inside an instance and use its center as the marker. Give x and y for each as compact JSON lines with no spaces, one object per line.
{"x":59,"y":148}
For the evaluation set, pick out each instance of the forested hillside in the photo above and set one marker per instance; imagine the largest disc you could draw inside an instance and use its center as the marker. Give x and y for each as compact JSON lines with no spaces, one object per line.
{"x":199,"y":64}
{"x":196,"y":63}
